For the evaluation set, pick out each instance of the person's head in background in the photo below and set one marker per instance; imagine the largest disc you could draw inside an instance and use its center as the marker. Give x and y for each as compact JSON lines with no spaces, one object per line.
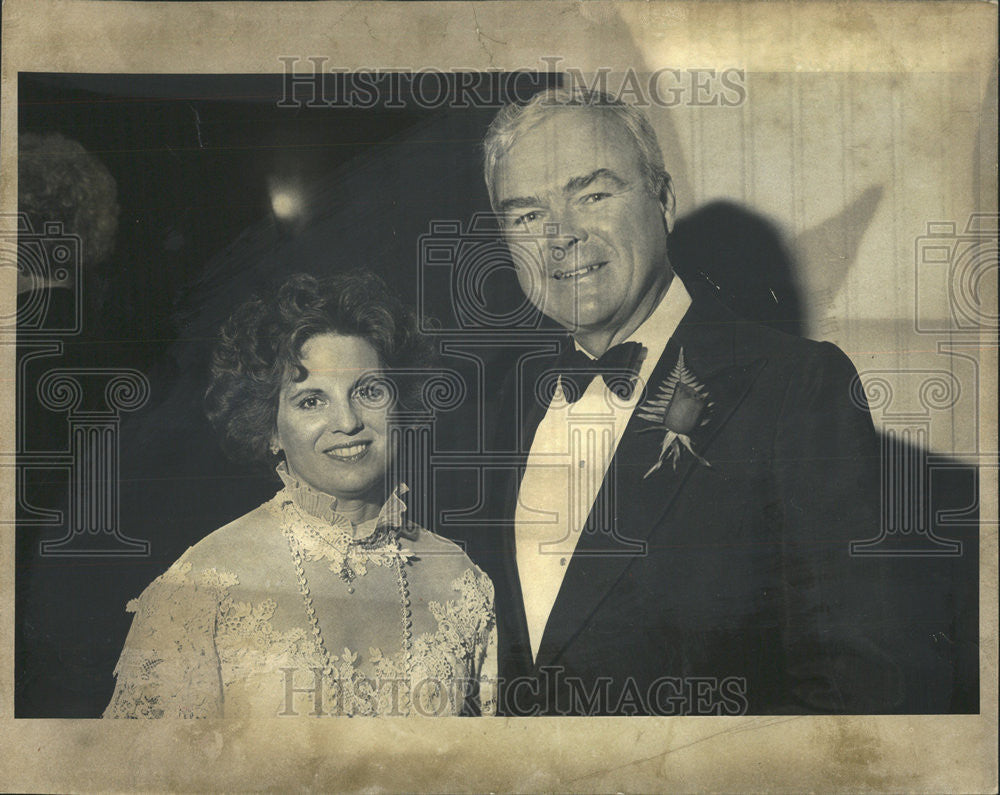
{"x":62,"y":185}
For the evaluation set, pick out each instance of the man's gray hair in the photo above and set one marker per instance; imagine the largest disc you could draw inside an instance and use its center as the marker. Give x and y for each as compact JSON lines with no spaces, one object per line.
{"x":513,"y":120}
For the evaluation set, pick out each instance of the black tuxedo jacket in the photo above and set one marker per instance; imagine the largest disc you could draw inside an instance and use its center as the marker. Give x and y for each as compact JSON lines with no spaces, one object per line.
{"x":720,"y":589}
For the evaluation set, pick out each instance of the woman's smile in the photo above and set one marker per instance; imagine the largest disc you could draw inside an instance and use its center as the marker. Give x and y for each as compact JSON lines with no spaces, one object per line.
{"x":348,"y":453}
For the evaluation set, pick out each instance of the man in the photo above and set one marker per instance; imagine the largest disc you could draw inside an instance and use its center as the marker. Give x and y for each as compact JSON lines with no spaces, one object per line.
{"x":676,"y":538}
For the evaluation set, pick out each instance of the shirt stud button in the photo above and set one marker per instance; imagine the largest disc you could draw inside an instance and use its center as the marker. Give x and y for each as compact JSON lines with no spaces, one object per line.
{"x":562,"y":561}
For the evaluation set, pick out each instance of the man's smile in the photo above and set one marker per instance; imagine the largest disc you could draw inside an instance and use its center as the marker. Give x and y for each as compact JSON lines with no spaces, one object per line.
{"x":578,"y":273}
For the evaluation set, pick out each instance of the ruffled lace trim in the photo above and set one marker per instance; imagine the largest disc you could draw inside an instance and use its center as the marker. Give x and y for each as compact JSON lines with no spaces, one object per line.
{"x":323,"y":506}
{"x":348,"y":557}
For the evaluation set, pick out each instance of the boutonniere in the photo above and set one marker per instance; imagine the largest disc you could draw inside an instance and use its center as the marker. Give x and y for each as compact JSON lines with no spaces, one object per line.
{"x":680,"y":406}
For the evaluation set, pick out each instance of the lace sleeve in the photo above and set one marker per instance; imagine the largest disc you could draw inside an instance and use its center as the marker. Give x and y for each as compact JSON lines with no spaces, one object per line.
{"x":169,"y":667}
{"x":486,"y":647}
{"x":488,"y":675}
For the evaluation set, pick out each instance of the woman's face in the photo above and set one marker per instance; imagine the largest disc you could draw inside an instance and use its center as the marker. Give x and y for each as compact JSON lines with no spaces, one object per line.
{"x":332,"y":425}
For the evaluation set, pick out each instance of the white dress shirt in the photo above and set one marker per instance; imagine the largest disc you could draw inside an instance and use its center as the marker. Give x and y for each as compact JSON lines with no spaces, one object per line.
{"x":569,"y":457}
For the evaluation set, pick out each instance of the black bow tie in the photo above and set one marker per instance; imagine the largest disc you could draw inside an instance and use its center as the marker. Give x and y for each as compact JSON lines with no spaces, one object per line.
{"x":618,"y":366}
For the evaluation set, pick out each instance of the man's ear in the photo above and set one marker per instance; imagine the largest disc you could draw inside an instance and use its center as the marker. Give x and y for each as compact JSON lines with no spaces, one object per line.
{"x":667,"y":201}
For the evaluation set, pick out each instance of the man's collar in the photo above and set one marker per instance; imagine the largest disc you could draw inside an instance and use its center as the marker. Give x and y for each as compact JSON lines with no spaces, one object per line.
{"x":664,"y":319}
{"x":655,"y":331}
{"x":661,"y":323}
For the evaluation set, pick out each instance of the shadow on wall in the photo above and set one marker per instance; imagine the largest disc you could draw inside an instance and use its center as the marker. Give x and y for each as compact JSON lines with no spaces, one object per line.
{"x":745,"y":258}
{"x":761,"y":276}
{"x":742,"y":255}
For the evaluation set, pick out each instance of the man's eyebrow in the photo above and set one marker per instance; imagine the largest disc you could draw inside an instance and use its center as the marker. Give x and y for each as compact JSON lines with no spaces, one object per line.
{"x":579,"y":183}
{"x":575,"y":184}
{"x":519,"y":202}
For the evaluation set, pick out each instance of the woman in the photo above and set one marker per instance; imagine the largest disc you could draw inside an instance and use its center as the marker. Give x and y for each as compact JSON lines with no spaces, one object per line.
{"x":325,"y":600}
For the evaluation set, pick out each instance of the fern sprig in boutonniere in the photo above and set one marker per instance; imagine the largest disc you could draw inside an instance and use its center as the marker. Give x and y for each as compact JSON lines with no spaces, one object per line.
{"x":680,"y":406}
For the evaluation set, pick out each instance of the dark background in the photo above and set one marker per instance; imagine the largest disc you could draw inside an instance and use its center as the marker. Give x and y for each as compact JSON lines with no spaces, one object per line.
{"x":196,"y":159}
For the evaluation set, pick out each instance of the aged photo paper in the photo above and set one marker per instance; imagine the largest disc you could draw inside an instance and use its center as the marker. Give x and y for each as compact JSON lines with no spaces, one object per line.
{"x":832,"y":177}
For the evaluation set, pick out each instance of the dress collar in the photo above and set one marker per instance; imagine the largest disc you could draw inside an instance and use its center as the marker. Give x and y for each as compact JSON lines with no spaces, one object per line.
{"x":321,"y":505}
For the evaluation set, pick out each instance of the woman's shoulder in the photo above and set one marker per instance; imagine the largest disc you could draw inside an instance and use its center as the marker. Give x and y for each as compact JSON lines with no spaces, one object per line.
{"x":242,"y":537}
{"x":423,"y":541}
{"x":445,"y":560}
{"x":226,"y":557}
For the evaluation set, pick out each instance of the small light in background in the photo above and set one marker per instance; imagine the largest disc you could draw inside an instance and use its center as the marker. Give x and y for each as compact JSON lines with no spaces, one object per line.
{"x":286,"y":204}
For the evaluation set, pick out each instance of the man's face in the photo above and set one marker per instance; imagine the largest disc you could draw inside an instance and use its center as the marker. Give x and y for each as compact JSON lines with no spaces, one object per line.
{"x":585,"y":232}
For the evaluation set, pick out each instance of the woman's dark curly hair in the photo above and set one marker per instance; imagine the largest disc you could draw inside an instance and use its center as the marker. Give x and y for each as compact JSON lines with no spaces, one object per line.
{"x":261,"y":344}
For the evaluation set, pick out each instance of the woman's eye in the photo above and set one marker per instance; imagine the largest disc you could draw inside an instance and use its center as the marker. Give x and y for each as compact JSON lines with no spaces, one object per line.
{"x":592,"y":198}
{"x":370,"y":393}
{"x":310,"y":402}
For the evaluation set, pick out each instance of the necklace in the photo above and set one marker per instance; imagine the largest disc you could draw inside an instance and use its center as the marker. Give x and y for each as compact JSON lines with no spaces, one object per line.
{"x":406,"y":614}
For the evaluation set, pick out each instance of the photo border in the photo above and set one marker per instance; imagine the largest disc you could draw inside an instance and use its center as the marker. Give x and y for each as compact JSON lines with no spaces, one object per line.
{"x":786,"y":753}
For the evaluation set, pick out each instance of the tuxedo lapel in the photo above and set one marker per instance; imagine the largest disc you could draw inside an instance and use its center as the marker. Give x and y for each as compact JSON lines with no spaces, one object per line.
{"x":634,"y":503}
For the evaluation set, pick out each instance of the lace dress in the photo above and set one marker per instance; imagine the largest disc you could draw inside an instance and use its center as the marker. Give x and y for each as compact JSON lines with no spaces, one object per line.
{"x":294,"y":610}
